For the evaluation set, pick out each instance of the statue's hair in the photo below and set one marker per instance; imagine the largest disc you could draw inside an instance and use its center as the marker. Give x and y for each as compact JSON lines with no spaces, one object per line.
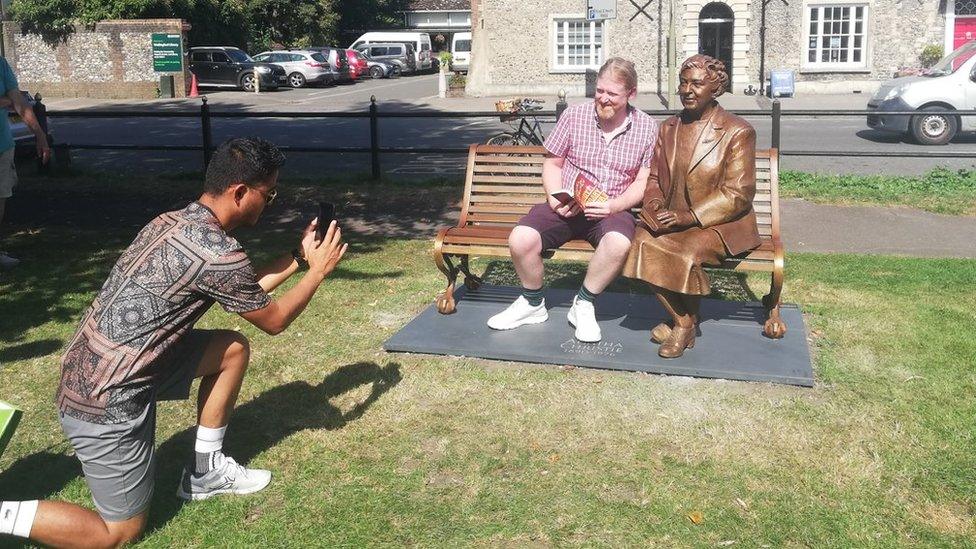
{"x":715,"y":69}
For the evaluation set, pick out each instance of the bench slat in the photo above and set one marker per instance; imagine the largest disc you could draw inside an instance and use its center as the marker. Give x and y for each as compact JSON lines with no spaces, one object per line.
{"x":527,"y":180}
{"x":509,"y":159}
{"x":490,"y":168}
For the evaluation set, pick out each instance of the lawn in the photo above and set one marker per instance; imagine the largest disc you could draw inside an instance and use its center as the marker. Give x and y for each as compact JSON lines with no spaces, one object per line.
{"x":370,"y":448}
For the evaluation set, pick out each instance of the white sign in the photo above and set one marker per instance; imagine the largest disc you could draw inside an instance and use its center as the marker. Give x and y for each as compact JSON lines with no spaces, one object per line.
{"x":601,"y":9}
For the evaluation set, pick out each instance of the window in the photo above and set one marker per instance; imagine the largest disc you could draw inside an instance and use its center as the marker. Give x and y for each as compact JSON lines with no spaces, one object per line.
{"x":462,"y":45}
{"x":199,"y":57}
{"x":577,"y":44}
{"x":837,"y":36}
{"x":377,"y":51}
{"x":219,"y":57}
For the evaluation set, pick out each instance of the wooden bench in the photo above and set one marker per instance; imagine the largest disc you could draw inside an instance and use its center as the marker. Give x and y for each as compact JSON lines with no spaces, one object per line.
{"x":503,"y":182}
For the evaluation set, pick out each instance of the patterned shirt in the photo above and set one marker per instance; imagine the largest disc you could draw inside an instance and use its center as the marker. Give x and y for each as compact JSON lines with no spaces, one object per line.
{"x":175,"y":269}
{"x":613,"y":166}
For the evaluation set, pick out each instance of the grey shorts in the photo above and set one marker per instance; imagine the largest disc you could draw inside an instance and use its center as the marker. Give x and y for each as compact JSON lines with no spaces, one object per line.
{"x":8,"y":174}
{"x":119,"y":459}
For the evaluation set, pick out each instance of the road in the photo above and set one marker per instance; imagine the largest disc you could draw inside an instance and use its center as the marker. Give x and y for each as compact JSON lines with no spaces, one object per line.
{"x":418,"y":94}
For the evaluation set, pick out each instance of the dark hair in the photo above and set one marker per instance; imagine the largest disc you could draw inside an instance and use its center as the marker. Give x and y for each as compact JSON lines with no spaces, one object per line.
{"x":715,"y":69}
{"x":248,"y":160}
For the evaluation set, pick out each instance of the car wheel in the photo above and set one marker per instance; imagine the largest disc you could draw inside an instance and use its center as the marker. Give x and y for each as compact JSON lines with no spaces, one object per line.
{"x":247,"y":82}
{"x":934,"y":128}
{"x":376,"y":72}
{"x":296,"y":80}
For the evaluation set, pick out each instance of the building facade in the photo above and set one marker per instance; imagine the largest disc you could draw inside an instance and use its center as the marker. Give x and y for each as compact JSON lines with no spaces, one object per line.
{"x":831,"y":46}
{"x":439,"y":18}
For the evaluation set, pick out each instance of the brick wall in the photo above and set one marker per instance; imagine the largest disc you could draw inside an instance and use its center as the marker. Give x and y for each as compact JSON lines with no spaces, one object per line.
{"x":113,"y":61}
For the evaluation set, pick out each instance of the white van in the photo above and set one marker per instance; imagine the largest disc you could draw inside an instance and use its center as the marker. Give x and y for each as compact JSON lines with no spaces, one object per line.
{"x":461,"y":51}
{"x":949,"y":85}
{"x":420,"y":41}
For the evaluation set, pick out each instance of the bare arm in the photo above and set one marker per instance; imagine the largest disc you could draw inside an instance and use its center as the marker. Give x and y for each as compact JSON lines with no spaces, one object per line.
{"x":275,"y":273}
{"x":323,"y":256}
{"x":552,"y":175}
{"x":27,"y":115}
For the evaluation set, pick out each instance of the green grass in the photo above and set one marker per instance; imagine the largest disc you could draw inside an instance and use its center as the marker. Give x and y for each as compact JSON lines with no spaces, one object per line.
{"x":370,"y":448}
{"x":940,"y":191}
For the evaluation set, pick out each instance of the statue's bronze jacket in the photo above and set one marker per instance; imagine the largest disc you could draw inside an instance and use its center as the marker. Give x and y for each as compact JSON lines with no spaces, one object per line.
{"x":721,"y":179}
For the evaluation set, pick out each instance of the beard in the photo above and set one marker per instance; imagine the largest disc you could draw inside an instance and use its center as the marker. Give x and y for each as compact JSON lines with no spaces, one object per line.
{"x":605,"y":112}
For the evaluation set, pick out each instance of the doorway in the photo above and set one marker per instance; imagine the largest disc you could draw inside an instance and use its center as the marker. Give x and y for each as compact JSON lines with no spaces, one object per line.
{"x":716,"y":24}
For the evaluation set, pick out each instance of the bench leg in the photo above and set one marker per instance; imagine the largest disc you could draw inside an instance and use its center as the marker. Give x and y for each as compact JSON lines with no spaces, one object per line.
{"x":445,"y":300}
{"x":774,"y":327}
{"x":473,"y":282}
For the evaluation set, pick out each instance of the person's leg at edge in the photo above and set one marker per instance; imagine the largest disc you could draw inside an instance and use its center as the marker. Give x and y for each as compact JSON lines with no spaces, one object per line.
{"x":62,"y":524}
{"x":222,"y":368}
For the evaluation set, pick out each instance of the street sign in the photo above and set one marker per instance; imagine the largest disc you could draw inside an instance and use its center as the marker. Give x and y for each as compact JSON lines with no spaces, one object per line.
{"x":167,"y":50}
{"x":601,"y":9}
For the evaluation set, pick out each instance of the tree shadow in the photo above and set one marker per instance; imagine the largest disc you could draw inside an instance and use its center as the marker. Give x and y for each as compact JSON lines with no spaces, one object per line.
{"x":256,"y":426}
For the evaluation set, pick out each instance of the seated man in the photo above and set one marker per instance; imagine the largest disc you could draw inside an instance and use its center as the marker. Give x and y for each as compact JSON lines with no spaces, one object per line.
{"x":136,"y":344}
{"x":609,"y":143}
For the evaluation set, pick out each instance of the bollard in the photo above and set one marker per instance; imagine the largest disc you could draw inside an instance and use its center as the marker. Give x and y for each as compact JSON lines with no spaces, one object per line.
{"x":374,"y":141}
{"x":207,"y":135}
{"x":257,"y":82}
{"x":774,"y":139}
{"x":561,"y":103}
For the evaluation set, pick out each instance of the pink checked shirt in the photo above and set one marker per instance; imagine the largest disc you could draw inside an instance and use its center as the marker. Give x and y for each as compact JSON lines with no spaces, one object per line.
{"x":577,"y":138}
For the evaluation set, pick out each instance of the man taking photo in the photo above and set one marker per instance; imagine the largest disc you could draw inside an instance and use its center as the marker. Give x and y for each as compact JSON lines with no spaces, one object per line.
{"x":137,"y":344}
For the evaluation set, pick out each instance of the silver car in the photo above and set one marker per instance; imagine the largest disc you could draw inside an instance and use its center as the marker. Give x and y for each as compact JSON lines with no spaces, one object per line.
{"x":303,"y":67}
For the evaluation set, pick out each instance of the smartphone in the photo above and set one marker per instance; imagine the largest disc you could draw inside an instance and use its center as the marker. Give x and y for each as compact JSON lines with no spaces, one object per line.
{"x":563,"y":196}
{"x":326,"y":215}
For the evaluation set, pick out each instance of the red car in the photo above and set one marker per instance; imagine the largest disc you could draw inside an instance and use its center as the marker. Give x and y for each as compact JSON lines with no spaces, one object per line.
{"x":357,"y":65}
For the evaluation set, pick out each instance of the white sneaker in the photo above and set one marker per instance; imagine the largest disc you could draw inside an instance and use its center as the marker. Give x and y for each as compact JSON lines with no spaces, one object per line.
{"x":226,"y":478}
{"x":583,"y":318}
{"x":519,"y":313}
{"x":8,"y":261}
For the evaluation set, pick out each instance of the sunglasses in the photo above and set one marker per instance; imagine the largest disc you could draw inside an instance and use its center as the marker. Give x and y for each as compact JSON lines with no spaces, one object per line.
{"x":269,"y":196}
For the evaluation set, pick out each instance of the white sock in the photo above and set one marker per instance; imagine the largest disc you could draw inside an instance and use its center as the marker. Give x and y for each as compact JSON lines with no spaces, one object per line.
{"x":17,"y":517}
{"x":209,"y":440}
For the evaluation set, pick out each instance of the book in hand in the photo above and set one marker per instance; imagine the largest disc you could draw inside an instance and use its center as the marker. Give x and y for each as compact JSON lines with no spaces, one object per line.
{"x":586,"y":192}
{"x":9,"y":417}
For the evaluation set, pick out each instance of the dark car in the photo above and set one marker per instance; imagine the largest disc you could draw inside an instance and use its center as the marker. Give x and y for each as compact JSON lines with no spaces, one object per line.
{"x":229,"y":67}
{"x":381,"y":69}
{"x":337,"y":57}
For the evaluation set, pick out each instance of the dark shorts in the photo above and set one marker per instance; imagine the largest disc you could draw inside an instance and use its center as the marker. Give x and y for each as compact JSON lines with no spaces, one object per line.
{"x":557,"y":230}
{"x":119,"y":459}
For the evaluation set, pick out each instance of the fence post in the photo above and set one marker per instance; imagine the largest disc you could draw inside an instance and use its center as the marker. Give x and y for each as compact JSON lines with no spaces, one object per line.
{"x":40,"y":112}
{"x":561,"y":103}
{"x":207,"y":135}
{"x":776,"y":124}
{"x":374,"y":140}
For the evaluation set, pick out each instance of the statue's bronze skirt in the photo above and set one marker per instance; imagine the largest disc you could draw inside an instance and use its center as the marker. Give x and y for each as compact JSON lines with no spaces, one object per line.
{"x":673,"y":261}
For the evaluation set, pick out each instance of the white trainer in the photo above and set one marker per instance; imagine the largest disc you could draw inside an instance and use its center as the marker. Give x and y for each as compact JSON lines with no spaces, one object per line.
{"x":226,"y":478}
{"x":8,"y":261}
{"x":582,"y":316}
{"x":518,"y":314}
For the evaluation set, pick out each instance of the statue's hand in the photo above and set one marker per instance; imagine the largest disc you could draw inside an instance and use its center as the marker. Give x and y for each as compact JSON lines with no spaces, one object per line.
{"x":675,"y":219}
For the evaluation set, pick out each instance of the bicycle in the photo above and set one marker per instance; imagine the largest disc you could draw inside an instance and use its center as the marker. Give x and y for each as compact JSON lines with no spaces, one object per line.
{"x":523,"y":132}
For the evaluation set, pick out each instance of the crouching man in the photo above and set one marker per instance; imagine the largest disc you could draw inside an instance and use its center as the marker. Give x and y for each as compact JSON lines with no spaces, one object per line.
{"x":609,"y":143}
{"x":137,"y":344}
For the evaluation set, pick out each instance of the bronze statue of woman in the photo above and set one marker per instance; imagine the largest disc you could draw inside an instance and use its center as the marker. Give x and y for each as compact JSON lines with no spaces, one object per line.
{"x":698,"y":204}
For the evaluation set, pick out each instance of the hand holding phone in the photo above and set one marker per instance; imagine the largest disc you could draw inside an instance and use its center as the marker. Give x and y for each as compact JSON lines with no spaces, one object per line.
{"x":326,"y":215}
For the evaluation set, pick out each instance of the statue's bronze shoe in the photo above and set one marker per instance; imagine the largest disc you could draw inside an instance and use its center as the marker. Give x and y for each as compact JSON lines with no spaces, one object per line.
{"x":660,"y":333}
{"x":680,"y":339}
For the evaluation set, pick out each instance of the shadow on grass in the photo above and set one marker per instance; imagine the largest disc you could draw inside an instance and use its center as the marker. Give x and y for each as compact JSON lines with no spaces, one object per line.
{"x":256,"y":426}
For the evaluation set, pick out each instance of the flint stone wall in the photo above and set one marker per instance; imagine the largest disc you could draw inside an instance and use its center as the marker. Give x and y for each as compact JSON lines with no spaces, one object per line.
{"x":111,"y":61}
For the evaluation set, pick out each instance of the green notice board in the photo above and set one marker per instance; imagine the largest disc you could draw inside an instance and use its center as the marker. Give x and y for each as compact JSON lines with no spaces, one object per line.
{"x":167,"y":50}
{"x":9,"y":417}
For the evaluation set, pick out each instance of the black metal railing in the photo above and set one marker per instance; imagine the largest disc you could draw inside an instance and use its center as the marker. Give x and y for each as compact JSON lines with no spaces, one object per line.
{"x":374,"y":114}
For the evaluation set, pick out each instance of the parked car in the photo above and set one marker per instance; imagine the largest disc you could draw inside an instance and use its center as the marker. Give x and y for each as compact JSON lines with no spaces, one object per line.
{"x":949,"y":85}
{"x":420,"y":41}
{"x":337,"y":58}
{"x":460,"y":51}
{"x":229,"y":67}
{"x":357,"y":65}
{"x":381,"y":69}
{"x":303,"y":67}
{"x":399,"y":54}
